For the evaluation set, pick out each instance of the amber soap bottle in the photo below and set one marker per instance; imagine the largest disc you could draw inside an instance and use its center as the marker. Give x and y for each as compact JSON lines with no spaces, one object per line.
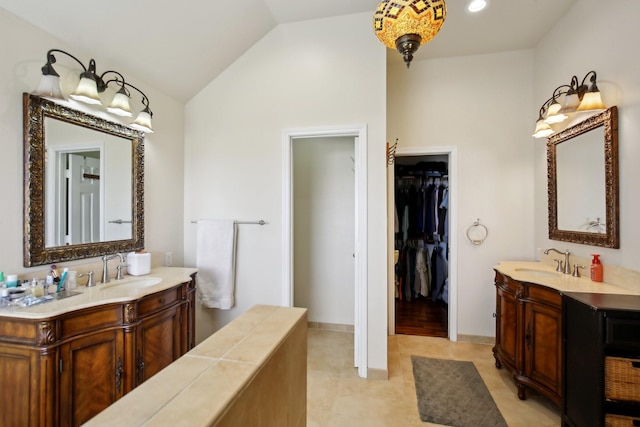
{"x":596,"y":268}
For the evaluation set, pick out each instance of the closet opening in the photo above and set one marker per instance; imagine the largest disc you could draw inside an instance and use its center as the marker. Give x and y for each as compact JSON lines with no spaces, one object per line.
{"x":421,"y":245}
{"x":356,"y":258}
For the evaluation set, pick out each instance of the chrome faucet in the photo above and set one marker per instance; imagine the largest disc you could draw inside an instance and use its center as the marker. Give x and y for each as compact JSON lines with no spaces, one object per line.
{"x":567,"y":268}
{"x":105,"y":266}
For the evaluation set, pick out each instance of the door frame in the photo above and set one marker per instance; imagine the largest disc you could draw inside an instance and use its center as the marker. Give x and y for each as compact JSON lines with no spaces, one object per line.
{"x":56,"y":177}
{"x":359,"y":133}
{"x":452,"y":152}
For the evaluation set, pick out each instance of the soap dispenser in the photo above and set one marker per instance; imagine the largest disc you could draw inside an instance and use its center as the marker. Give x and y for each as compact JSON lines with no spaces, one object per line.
{"x":596,"y":268}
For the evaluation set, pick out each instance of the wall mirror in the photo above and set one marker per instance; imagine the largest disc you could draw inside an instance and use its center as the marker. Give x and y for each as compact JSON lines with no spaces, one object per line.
{"x":582,"y":173}
{"x":83,"y":184}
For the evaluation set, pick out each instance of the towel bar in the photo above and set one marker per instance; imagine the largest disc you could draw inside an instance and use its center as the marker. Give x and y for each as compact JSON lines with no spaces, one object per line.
{"x":261,"y":222}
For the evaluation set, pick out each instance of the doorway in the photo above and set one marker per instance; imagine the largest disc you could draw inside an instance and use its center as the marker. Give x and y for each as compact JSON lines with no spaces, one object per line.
{"x":424,"y":243}
{"x":75,"y":193}
{"x":359,"y":135}
{"x":324,"y":230}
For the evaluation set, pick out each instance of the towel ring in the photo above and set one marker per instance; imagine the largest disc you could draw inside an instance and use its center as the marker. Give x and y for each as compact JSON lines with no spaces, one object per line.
{"x":477,"y":233}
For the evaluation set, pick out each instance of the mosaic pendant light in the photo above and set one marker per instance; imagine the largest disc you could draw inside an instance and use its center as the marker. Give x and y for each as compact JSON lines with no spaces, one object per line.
{"x":405,"y":25}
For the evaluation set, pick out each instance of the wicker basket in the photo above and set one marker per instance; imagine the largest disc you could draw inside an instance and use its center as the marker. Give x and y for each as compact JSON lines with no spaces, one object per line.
{"x":622,"y":379}
{"x":620,"y":421}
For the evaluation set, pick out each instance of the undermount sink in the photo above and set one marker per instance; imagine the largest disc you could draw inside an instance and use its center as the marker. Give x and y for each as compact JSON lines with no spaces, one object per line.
{"x":537,"y":272}
{"x":134,"y":283}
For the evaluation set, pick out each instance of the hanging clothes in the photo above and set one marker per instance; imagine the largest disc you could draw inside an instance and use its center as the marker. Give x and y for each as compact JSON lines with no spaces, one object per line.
{"x":439,"y":272}
{"x":423,"y":267}
{"x":421,"y":230}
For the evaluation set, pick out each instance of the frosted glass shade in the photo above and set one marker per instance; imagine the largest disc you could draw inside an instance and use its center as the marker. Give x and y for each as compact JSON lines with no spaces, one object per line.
{"x":87,"y":91}
{"x":542,"y":130}
{"x":591,"y":101}
{"x":120,"y":105}
{"x":553,"y":114}
{"x":49,"y":86}
{"x":570,"y":104}
{"x":143,"y":122}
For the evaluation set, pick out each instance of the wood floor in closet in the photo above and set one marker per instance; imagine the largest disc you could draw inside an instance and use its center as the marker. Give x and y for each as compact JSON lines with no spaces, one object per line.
{"x":421,"y":317}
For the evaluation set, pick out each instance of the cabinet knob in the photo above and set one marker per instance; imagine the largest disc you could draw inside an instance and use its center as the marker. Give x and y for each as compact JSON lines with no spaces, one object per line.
{"x":495,"y":315}
{"x":161,"y":300}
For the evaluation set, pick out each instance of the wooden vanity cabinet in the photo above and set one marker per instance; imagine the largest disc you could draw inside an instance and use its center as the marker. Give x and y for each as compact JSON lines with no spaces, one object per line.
{"x":63,"y":370}
{"x":529,"y":336}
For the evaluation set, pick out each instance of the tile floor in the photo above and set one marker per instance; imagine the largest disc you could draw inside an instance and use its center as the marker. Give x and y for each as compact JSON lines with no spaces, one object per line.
{"x":337,"y":397}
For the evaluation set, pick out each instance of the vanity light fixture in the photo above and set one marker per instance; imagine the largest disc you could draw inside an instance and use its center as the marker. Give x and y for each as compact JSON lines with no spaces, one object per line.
{"x":405,"y":25}
{"x":577,"y":98}
{"x":90,"y":87}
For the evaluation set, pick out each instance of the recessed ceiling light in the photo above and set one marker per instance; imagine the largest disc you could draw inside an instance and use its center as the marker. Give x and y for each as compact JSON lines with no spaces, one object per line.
{"x":477,"y":5}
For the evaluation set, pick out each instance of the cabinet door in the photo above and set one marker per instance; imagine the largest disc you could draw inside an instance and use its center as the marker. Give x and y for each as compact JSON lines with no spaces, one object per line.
{"x":159,"y":341}
{"x":506,"y":327}
{"x":91,"y":375}
{"x":27,"y":378}
{"x":543,"y":347}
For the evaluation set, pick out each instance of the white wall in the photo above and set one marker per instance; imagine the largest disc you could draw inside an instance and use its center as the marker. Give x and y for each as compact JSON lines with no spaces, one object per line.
{"x":24,"y":51}
{"x":318,"y":73}
{"x":324,"y":228}
{"x":480,"y":105}
{"x":600,"y":36}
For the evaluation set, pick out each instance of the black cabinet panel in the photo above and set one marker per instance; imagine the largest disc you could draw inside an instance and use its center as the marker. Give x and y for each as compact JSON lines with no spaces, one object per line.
{"x":596,"y":326}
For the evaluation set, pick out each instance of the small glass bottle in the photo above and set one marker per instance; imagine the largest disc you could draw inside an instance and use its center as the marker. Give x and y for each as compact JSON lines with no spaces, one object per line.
{"x":37,"y":288}
{"x":47,"y":284}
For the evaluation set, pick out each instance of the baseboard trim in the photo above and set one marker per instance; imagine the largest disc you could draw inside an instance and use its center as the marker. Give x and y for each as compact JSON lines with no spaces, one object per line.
{"x":377,"y":374}
{"x":477,"y":339}
{"x":336,"y":327}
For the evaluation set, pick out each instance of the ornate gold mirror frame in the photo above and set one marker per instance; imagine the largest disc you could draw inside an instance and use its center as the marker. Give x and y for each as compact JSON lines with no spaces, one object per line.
{"x":35,"y":111}
{"x":608,"y":119}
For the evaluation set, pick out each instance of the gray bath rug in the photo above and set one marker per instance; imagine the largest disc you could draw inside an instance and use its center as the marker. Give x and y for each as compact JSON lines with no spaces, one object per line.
{"x":452,"y":393}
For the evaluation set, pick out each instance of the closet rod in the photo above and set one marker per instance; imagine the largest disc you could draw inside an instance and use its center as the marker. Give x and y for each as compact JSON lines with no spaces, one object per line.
{"x":261,"y":222}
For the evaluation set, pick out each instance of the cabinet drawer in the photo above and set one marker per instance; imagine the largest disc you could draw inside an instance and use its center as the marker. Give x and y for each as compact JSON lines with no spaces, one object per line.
{"x":506,"y":283}
{"x":611,"y":420}
{"x":152,"y":303}
{"x":87,"y":320}
{"x":622,"y":379}
{"x":544,"y":295}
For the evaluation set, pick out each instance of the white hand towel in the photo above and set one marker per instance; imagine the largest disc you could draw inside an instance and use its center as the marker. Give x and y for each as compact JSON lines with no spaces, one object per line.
{"x":215,"y":259}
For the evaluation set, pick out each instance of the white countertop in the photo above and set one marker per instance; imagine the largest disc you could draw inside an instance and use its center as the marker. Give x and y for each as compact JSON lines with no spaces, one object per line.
{"x":544,"y":274}
{"x":128,"y":289}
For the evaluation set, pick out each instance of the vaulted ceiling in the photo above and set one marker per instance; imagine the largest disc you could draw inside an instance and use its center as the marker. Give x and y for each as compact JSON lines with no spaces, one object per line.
{"x":180,"y":46}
